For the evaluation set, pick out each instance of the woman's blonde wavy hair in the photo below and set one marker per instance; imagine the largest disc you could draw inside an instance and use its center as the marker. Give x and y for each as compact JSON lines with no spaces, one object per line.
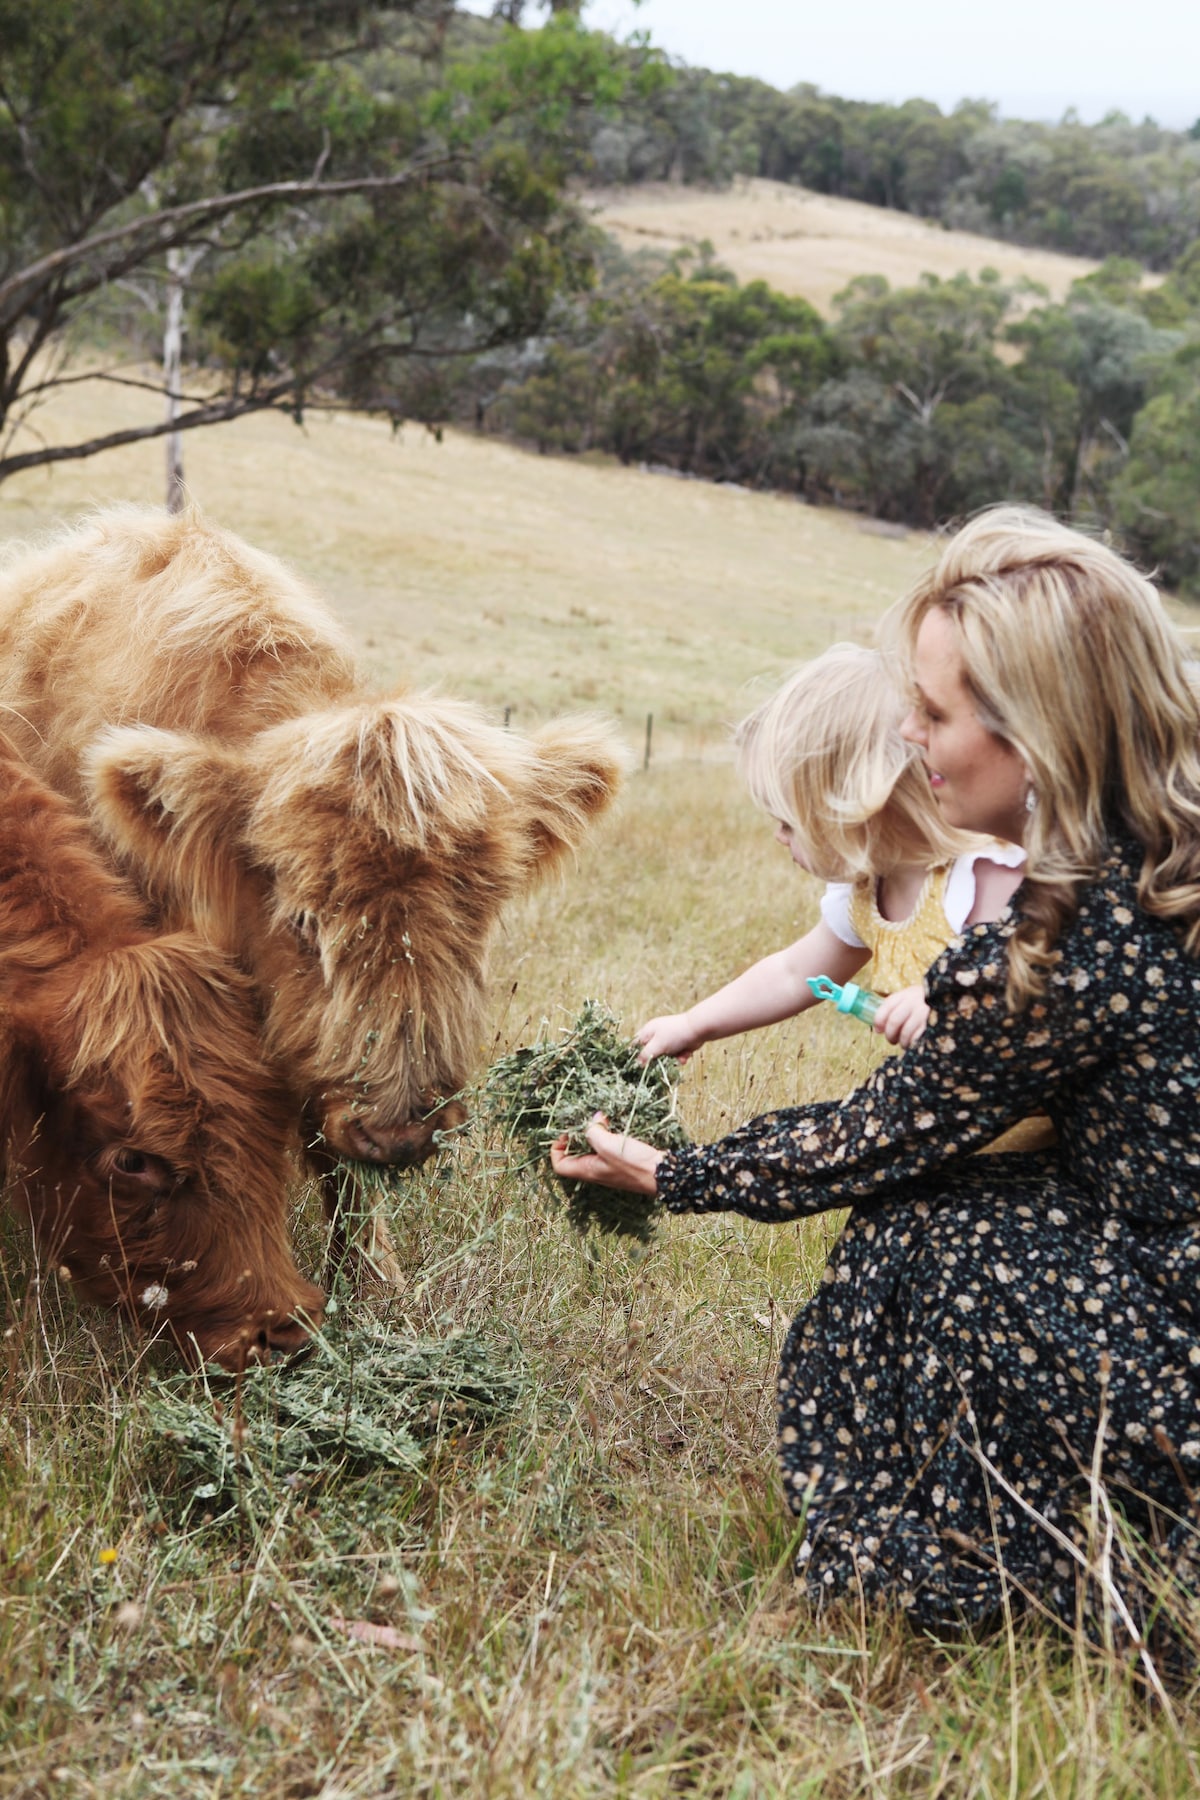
{"x":1071,"y":659}
{"x":824,"y":755}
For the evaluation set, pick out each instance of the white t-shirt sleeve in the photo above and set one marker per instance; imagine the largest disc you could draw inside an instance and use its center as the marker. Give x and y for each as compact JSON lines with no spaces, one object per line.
{"x":959,"y":896}
{"x":835,"y":910}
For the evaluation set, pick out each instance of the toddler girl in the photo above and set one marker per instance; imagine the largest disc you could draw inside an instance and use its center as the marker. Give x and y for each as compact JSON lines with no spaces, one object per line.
{"x":825,"y":757}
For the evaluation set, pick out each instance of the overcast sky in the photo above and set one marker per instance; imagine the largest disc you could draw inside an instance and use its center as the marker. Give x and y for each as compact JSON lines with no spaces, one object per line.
{"x":1035,"y":58}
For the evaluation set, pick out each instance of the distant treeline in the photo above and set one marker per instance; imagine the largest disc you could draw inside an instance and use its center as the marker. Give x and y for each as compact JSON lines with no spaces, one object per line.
{"x":916,"y":404}
{"x":1112,"y":189}
{"x":479,"y":291}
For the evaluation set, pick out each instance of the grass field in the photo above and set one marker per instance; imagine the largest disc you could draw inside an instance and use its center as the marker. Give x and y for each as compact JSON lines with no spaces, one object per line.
{"x":519,"y":581}
{"x":590,"y":1597}
{"x":813,"y":244}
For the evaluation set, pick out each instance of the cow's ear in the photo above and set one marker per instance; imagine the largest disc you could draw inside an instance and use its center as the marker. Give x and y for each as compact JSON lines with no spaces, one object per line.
{"x":172,"y":806}
{"x":575,"y":771}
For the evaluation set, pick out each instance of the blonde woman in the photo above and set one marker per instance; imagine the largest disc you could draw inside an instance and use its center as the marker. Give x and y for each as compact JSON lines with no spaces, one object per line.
{"x":941,"y":1396}
{"x":823,"y":756}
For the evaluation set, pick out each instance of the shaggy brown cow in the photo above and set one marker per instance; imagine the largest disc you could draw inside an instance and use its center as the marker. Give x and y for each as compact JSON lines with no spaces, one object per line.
{"x":353,"y":853}
{"x":142,"y":1135}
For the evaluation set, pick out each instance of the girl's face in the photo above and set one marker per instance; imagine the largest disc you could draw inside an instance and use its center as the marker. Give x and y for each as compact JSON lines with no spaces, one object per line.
{"x":980,"y":781}
{"x":785,"y":835}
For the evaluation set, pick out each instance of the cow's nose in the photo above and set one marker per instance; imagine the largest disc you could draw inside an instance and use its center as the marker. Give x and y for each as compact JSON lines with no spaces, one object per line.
{"x":405,"y":1146}
{"x":282,"y":1353}
{"x":374,"y":1140}
{"x":279,"y":1336}
{"x":291,"y":1336}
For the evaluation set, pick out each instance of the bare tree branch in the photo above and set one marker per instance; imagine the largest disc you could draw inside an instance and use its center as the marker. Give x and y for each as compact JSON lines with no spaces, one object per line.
{"x":174,"y":224}
{"x":109,"y":375}
{"x":216,"y":412}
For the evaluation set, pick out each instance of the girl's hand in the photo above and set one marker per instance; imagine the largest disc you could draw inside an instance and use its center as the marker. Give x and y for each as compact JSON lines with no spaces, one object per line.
{"x":902,"y":1017}
{"x":669,"y":1036}
{"x":616,"y":1161}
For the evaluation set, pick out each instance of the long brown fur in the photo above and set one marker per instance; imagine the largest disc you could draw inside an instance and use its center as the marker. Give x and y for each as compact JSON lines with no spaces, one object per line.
{"x":353,"y":853}
{"x":144,"y":1137}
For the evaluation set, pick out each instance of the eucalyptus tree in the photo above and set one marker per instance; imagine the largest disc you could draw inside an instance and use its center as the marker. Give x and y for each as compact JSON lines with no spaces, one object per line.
{"x":360,"y":197}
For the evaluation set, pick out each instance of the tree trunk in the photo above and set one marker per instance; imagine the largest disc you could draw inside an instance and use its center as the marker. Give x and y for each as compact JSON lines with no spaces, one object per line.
{"x":180,"y":263}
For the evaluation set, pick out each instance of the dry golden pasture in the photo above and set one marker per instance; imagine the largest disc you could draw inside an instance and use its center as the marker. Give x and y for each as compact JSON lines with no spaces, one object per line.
{"x":516,"y":580}
{"x":813,"y":244}
{"x":593,"y":1597}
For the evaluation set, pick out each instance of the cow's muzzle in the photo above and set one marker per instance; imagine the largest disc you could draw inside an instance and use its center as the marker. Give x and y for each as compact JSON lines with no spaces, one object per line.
{"x":268,"y":1338}
{"x":368,"y":1139}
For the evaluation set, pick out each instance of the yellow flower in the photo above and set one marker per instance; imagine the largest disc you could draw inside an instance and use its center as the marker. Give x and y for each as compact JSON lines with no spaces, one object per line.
{"x":107,"y":1558}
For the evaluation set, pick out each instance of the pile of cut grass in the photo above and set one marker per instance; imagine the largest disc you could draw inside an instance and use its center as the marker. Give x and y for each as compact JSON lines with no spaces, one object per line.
{"x":365,"y":1397}
{"x":554,"y":1087}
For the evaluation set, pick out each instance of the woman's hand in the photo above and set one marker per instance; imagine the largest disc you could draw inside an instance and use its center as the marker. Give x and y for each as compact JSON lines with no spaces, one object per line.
{"x":902,"y":1017}
{"x":672,"y":1035}
{"x":616,"y":1160}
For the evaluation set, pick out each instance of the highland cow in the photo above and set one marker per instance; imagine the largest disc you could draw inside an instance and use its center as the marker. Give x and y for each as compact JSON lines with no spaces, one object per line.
{"x":139,"y":1130}
{"x":352,"y":853}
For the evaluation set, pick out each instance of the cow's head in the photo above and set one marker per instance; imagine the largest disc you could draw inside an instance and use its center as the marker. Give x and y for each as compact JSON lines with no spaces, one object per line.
{"x":358,"y":860}
{"x":149,"y":1146}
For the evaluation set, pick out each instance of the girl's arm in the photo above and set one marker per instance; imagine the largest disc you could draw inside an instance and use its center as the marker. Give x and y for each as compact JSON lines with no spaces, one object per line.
{"x":995,"y":885}
{"x":976,"y":1070}
{"x":773,"y":989}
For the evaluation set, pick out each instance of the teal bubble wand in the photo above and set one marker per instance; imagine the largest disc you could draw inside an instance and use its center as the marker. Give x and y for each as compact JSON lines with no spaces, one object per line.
{"x":860,"y":1003}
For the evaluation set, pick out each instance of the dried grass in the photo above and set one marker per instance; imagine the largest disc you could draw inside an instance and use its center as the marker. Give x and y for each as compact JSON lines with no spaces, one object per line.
{"x":813,"y":244}
{"x":366,"y":1396}
{"x":592,"y":1595}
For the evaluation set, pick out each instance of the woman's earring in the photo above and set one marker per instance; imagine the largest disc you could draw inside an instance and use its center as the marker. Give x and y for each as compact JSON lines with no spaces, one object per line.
{"x":1031,"y":798}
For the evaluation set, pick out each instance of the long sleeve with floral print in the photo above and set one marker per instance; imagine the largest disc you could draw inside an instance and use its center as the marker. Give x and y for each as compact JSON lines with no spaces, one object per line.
{"x":1111,"y":1051}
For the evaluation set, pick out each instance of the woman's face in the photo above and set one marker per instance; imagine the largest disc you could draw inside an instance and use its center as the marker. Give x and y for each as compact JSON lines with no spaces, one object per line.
{"x":979,"y":780}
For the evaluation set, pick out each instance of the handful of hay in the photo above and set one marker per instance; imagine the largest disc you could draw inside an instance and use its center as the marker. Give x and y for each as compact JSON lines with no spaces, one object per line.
{"x":535,"y":1095}
{"x":364,"y":1398}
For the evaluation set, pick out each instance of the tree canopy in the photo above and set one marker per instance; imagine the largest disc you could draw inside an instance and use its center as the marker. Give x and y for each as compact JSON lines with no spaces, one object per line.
{"x":362,"y":198}
{"x":1116,"y":188}
{"x":371,"y":208}
{"x":915,"y":404}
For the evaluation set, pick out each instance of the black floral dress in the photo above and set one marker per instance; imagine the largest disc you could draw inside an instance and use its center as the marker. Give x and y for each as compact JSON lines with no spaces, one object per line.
{"x":942,"y":1394}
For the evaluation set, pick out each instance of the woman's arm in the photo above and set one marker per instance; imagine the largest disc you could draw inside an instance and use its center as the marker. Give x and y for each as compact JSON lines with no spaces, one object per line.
{"x":774,"y":988}
{"x":976,"y":1070}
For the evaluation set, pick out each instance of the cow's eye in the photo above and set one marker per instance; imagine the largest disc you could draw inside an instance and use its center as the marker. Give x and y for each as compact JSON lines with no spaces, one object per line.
{"x":304,"y":928}
{"x":138,"y":1167}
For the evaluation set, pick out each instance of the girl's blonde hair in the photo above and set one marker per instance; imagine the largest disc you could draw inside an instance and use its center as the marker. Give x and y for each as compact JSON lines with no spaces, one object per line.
{"x":1072,"y":660}
{"x":824,"y":755}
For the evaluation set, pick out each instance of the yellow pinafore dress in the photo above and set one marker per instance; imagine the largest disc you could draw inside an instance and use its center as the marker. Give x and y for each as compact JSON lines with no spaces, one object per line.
{"x":902,"y":950}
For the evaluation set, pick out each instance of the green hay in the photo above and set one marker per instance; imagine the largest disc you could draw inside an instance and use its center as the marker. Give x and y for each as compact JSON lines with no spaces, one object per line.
{"x":536,"y":1094}
{"x":368,"y":1195}
{"x":365,"y":1397}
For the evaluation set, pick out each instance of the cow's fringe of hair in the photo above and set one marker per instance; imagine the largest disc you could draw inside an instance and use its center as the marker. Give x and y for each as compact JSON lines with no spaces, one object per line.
{"x":164,"y":993}
{"x":468,"y":815}
{"x":121,"y":1043}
